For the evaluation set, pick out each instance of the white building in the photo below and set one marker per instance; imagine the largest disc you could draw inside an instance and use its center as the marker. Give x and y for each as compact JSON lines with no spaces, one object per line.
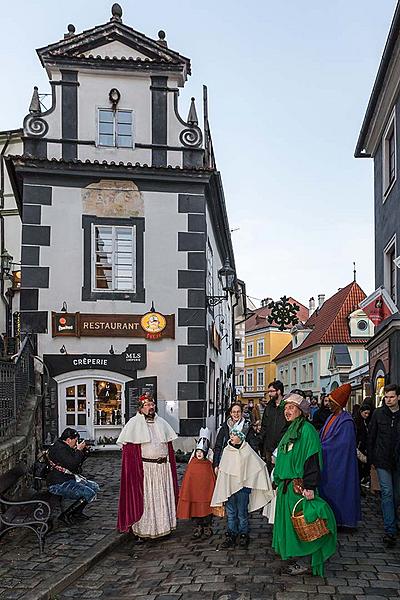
{"x":328,"y":346}
{"x":123,"y":216}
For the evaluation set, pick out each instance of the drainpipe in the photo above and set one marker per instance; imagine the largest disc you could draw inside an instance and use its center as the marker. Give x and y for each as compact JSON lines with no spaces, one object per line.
{"x":2,"y":246}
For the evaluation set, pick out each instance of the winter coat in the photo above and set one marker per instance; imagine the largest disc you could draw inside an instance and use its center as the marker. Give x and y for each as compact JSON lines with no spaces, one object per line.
{"x":223,"y":439}
{"x":384,"y":438}
{"x":64,"y":456}
{"x":273,"y":426}
{"x":320,"y":417}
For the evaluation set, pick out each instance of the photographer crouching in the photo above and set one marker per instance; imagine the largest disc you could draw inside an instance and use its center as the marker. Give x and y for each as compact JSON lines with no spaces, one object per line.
{"x":65,"y":458}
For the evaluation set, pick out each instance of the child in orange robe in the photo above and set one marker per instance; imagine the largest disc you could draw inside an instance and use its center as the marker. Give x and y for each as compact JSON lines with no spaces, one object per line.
{"x":197,"y":490}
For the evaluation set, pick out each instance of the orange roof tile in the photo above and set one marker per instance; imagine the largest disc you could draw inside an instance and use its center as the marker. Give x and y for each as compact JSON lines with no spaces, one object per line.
{"x":329,"y":324}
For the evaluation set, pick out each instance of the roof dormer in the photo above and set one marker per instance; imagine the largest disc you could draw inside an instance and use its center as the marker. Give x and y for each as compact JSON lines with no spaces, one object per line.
{"x":360,"y":325}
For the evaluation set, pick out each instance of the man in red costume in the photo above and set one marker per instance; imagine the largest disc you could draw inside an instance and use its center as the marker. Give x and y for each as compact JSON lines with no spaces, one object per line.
{"x":149,"y":485}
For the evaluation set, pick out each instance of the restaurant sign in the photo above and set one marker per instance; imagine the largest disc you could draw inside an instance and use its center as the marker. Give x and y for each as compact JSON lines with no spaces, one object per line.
{"x":152,"y":325}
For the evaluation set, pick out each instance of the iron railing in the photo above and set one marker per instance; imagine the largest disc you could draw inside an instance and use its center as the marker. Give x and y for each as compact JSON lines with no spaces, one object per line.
{"x":17,"y":381}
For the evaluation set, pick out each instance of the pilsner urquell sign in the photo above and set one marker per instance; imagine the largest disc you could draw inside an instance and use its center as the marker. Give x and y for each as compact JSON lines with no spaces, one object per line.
{"x":152,"y":325}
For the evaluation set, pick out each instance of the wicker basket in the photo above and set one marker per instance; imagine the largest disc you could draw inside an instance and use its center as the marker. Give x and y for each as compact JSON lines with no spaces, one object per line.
{"x":307,"y":532}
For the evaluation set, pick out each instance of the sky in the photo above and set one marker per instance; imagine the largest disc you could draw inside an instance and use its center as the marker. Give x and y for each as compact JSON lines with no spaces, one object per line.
{"x":288,"y":85}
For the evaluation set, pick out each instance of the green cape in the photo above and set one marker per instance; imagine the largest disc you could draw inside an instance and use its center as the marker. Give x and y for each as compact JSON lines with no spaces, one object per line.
{"x":300,"y":442}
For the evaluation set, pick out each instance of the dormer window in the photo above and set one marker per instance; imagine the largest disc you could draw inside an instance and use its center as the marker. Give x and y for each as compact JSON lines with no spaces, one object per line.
{"x":115,"y":128}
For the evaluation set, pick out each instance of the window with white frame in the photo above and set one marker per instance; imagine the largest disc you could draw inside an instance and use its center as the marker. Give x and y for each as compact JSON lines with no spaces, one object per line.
{"x":113,"y":259}
{"x":250,"y":380}
{"x":260,"y":347}
{"x":249,"y":349}
{"x":389,"y":152}
{"x":286,"y":377}
{"x":390,"y":269}
{"x":294,"y":375}
{"x":238,"y":345}
{"x":115,"y":128}
{"x":241,"y":378}
{"x":310,"y":371}
{"x":303,"y":373}
{"x":260,"y":378}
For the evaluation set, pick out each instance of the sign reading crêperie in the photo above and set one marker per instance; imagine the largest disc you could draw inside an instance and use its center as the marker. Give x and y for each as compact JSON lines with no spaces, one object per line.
{"x":152,"y":325}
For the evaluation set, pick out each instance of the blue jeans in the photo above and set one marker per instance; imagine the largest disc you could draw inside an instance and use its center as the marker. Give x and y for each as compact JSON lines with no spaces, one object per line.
{"x":75,"y":490}
{"x":390,"y":498}
{"x":237,"y":513}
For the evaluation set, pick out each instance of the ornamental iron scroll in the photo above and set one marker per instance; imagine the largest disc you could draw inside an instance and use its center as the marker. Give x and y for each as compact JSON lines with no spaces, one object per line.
{"x":191,"y":136}
{"x":283,"y":313}
{"x":35,"y":126}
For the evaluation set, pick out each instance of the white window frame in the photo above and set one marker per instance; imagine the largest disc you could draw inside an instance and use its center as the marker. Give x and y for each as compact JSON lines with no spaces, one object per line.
{"x":260,"y":342}
{"x":115,"y":145}
{"x":387,"y":185}
{"x":249,"y":345}
{"x":294,"y":374}
{"x":241,"y":379}
{"x":133,"y":265}
{"x":388,"y":266}
{"x":249,"y":373}
{"x":260,"y":380}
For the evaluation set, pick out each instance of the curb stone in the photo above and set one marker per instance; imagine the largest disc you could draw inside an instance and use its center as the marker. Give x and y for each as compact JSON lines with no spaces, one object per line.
{"x":47,"y":590}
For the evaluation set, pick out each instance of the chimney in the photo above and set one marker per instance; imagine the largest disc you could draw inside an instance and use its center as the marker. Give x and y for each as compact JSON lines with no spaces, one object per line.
{"x":311,"y":306}
{"x":321,"y":300}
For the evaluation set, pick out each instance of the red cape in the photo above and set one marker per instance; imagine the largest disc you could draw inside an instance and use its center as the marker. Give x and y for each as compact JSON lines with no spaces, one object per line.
{"x":197,"y":490}
{"x":130,"y":505}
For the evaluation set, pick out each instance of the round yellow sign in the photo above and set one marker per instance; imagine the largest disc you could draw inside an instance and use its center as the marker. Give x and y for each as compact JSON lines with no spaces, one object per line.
{"x":153,"y":322}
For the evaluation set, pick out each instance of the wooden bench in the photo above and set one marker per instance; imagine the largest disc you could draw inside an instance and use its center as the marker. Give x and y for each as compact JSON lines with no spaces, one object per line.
{"x":28,"y":510}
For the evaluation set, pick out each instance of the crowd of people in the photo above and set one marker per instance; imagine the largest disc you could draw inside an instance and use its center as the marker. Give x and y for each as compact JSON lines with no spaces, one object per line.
{"x":302,"y":464}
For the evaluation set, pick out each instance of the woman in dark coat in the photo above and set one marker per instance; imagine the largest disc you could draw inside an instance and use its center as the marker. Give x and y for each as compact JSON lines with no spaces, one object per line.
{"x":237,"y":420}
{"x":362,"y":420}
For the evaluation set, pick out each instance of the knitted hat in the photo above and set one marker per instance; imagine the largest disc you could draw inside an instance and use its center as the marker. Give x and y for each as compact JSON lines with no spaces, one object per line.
{"x":366,"y":405}
{"x":299,"y":401}
{"x":341,"y":395}
{"x":238,"y":433}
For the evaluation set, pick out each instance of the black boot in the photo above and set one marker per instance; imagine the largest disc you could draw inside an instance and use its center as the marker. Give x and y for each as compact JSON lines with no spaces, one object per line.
{"x":230,"y":540}
{"x":66,"y":515}
{"x":78,"y":513}
{"x":244,"y":540}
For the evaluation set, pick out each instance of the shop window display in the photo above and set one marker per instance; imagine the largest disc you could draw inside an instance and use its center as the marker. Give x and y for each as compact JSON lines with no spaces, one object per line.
{"x":108,"y":403}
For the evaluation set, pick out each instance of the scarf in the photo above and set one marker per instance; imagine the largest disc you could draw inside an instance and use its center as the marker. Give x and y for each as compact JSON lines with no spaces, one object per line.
{"x":292,"y":434}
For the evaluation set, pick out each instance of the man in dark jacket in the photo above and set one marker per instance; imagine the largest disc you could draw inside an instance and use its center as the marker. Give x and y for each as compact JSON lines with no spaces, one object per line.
{"x":273,"y":424}
{"x":65,"y":457}
{"x":383,"y":441}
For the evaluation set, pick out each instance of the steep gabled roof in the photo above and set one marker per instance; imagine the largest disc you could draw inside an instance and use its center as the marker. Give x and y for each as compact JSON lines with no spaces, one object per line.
{"x":81,"y":48}
{"x":258,"y":319}
{"x":329,"y":324}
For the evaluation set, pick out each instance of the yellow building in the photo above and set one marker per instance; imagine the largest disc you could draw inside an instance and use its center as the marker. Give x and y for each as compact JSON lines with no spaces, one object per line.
{"x":263,"y":342}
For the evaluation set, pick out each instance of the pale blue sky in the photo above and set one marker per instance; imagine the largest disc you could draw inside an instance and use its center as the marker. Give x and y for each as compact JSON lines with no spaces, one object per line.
{"x":288,"y":83}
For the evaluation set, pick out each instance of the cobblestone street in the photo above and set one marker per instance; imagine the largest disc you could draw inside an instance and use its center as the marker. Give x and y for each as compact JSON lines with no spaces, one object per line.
{"x":179,"y":569}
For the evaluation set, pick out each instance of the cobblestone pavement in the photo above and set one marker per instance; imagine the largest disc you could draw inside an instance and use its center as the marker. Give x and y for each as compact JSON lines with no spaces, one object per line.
{"x":24,"y":573}
{"x":179,"y":569}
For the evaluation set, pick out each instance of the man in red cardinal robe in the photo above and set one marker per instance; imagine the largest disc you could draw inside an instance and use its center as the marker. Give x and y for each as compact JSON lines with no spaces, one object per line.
{"x":149,"y":484}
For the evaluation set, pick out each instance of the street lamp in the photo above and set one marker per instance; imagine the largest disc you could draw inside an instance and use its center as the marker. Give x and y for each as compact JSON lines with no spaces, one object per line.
{"x":227,"y":277}
{"x":6,"y":264}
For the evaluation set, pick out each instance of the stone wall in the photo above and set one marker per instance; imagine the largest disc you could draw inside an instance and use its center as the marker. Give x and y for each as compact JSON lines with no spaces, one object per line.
{"x":25,"y":445}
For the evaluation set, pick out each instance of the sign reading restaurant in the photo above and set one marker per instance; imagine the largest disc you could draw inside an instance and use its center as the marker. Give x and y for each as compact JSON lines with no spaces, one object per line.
{"x":152,"y":325}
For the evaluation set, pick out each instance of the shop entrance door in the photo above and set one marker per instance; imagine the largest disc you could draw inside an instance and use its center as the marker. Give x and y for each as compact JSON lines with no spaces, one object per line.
{"x":75,"y":407}
{"x":94,"y":407}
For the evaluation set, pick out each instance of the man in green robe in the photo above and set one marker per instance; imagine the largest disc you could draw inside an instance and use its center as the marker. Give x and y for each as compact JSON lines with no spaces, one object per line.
{"x":299,"y":457}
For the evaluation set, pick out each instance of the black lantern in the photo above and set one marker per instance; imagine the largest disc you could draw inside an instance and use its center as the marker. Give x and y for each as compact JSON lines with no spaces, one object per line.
{"x":227,"y":277}
{"x":6,"y":263}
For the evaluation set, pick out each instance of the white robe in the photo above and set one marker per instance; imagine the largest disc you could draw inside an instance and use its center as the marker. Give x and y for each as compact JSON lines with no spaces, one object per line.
{"x":239,"y":468}
{"x":159,"y":511}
